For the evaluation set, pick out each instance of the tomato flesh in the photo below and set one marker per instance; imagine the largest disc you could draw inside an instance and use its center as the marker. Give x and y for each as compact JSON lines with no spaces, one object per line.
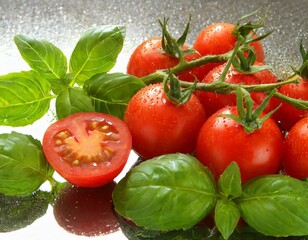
{"x":88,"y":149}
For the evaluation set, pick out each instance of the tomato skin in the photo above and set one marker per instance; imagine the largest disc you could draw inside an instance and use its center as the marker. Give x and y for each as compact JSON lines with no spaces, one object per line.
{"x":217,"y":38}
{"x":99,"y":159}
{"x":295,"y":158}
{"x":287,"y":114}
{"x":149,"y":57}
{"x":222,"y":141}
{"x":212,"y":101}
{"x":158,"y":126}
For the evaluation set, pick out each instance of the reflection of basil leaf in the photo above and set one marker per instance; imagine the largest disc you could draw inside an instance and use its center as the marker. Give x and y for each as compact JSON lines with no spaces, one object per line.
{"x":23,"y":167}
{"x":19,"y":212}
{"x":270,"y":202}
{"x":42,"y":56}
{"x":169,"y":192}
{"x":111,"y":93}
{"x":96,"y":51}
{"x":24,"y":98}
{"x":73,"y":100}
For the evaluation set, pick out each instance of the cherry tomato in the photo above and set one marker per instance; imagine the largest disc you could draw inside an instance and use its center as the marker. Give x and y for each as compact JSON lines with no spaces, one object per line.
{"x":86,"y":211}
{"x":287,"y":114}
{"x":149,"y":57}
{"x":296,"y":150}
{"x":218,"y":39}
{"x":213,"y":101}
{"x":88,"y":149}
{"x":222,"y":140}
{"x":158,"y":126}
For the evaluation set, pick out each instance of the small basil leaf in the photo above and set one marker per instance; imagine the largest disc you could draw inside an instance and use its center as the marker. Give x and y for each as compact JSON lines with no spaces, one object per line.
{"x":229,"y":183}
{"x":42,"y":56}
{"x":19,"y":212}
{"x":168,"y":192}
{"x":269,"y":202}
{"x":23,"y":167}
{"x":96,"y":51}
{"x":73,"y":100}
{"x":24,"y":98}
{"x":111,"y":93}
{"x":226,"y":217}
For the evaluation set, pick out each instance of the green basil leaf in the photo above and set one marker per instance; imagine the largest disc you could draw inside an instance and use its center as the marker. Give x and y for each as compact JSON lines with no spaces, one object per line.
{"x":24,"y":98}
{"x":275,"y":205}
{"x":226,"y":217}
{"x":111,"y":93}
{"x":42,"y":56}
{"x":73,"y":100}
{"x":23,"y":167}
{"x":96,"y":51}
{"x":18,"y":212}
{"x":168,"y":192}
{"x":229,"y":183}
{"x":58,"y":85}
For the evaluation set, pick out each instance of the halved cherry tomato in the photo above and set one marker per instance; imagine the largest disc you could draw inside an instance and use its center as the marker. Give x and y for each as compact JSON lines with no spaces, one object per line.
{"x":88,"y":149}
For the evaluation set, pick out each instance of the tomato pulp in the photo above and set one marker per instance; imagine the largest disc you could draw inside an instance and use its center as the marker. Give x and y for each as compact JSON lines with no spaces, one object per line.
{"x":87,"y":149}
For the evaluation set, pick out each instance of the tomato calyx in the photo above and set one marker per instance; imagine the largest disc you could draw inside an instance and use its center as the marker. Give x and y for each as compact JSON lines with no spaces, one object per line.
{"x":250,"y":118}
{"x":303,"y":69}
{"x":174,"y":92}
{"x":172,"y":46}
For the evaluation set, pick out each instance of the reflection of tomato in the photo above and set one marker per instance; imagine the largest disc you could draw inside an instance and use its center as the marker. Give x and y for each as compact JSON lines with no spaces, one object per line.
{"x":222,"y":141}
{"x":86,"y":211}
{"x":87,"y":149}
{"x":218,"y":39}
{"x":296,"y":150}
{"x":213,"y":101}
{"x":158,"y":126}
{"x":149,"y":57}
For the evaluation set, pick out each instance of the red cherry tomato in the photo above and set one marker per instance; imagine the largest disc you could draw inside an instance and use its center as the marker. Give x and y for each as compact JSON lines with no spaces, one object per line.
{"x":212,"y":101}
{"x":218,"y":39}
{"x":149,"y":57}
{"x":158,"y":126}
{"x":87,"y":149}
{"x":222,"y":141}
{"x":296,"y":150}
{"x":287,"y":114}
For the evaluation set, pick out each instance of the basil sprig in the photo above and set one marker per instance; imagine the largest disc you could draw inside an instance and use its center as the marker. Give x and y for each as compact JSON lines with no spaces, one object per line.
{"x":175,"y":191}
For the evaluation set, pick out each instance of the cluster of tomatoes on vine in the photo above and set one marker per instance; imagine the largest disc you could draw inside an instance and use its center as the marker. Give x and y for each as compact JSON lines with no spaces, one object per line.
{"x":216,"y":100}
{"x":236,"y":109}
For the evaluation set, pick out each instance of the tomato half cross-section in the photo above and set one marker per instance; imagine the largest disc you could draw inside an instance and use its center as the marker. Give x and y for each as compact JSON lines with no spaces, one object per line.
{"x":88,"y":149}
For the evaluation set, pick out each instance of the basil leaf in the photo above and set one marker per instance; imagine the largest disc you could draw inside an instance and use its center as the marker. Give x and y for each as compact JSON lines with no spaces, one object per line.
{"x":73,"y":100}
{"x":226,"y":217}
{"x":111,"y":93}
{"x":24,"y":98}
{"x":168,"y":192}
{"x":58,"y":85}
{"x":23,"y":167}
{"x":229,"y":183}
{"x":18,"y":212}
{"x":96,"y":51}
{"x":270,"y":202}
{"x":42,"y":56}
